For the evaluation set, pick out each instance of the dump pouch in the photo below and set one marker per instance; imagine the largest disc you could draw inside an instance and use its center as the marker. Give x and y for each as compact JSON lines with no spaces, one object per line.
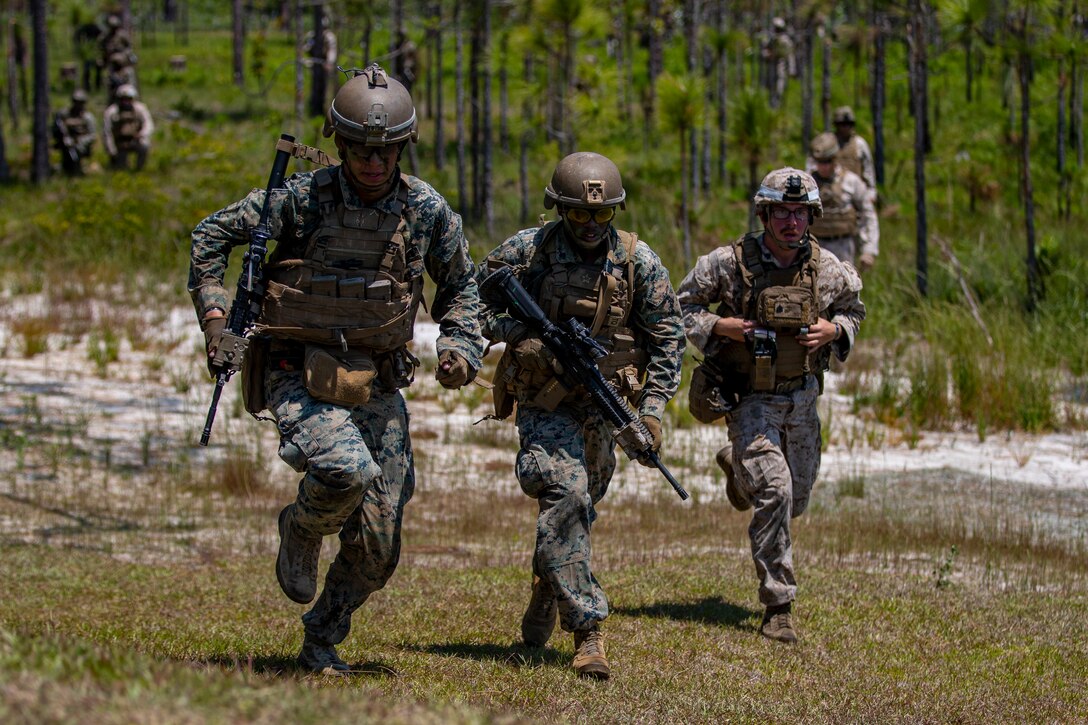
{"x":341,"y":378}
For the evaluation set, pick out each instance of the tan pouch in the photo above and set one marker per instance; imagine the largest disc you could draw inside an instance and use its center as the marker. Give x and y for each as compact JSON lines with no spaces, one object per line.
{"x":704,"y":395}
{"x":343,"y":379}
{"x":786,"y":307}
{"x":254,"y":365}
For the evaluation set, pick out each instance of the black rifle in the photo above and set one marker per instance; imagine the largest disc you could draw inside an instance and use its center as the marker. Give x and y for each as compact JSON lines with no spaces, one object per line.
{"x":576,"y":352}
{"x":249,"y":295}
{"x":64,"y":140}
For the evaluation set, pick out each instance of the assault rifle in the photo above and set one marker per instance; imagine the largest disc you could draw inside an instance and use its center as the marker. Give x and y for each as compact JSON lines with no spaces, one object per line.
{"x":65,"y":142}
{"x":576,"y":352}
{"x":250,"y":293}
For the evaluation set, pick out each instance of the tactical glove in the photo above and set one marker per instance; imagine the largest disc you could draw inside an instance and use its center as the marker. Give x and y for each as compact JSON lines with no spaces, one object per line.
{"x":532,"y":354}
{"x":453,"y":371}
{"x":653,"y":427}
{"x":213,"y":334}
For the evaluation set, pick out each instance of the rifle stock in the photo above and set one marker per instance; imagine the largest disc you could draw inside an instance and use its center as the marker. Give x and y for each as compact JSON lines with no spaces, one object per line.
{"x":249,"y":295}
{"x":576,"y":351}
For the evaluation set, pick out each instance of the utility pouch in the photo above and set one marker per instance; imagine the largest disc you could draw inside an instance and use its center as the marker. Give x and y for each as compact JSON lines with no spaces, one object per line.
{"x":764,"y":356}
{"x":786,"y":307}
{"x":501,"y":394}
{"x":708,"y":398}
{"x":254,"y":365}
{"x":343,"y":379}
{"x":551,"y":395}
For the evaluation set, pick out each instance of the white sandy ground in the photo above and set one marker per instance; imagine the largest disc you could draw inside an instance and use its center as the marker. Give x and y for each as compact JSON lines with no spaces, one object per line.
{"x":151,"y":404}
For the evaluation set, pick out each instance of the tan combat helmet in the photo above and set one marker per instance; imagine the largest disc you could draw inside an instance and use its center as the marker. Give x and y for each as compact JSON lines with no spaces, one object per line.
{"x":789,"y":186}
{"x":372,"y":109}
{"x":843,"y":114}
{"x":824,"y":147}
{"x":126,"y":90}
{"x":585,"y":180}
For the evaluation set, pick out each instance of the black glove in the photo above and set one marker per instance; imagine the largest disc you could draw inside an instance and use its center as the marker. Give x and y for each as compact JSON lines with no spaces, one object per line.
{"x":213,"y":333}
{"x":453,"y":371}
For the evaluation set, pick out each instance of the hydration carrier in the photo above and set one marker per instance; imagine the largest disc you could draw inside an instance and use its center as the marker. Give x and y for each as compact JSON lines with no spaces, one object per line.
{"x":357,"y":284}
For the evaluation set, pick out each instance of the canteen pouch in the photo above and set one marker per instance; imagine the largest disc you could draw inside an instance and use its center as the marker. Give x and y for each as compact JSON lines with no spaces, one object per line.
{"x":343,"y":379}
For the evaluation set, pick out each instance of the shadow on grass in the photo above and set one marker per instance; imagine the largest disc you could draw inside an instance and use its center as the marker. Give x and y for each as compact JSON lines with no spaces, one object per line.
{"x":710,"y":610}
{"x":515,"y":655}
{"x":280,"y":666}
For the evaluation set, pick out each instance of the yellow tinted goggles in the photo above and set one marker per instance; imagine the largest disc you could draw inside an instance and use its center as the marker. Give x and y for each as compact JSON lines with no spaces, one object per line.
{"x":582,"y":216}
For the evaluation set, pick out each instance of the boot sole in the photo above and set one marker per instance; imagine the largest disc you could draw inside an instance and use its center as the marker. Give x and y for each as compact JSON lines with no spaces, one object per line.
{"x":297,"y":597}
{"x":594,"y":672}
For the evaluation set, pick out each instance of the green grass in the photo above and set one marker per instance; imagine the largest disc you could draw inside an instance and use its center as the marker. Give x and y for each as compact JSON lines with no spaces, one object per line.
{"x":931,"y":597}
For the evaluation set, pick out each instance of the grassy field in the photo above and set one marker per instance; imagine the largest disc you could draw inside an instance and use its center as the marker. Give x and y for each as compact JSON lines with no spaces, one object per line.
{"x":933,"y":599}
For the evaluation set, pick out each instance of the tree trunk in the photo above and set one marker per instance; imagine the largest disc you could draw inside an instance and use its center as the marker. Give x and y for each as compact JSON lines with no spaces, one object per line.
{"x":878,"y":100}
{"x":691,"y":23}
{"x":807,"y":130}
{"x":5,"y":170}
{"x":1059,"y":133}
{"x":825,"y":95}
{"x":1035,"y":288}
{"x":319,"y":77}
{"x":439,"y":129}
{"x":474,"y":101}
{"x":917,"y":41}
{"x":486,"y":200}
{"x":655,"y":63}
{"x":170,"y":10}
{"x":299,"y":75}
{"x":238,"y":38}
{"x":39,"y":162}
{"x":459,"y":81}
{"x":685,"y":217}
{"x":13,"y":45}
{"x":722,"y":93}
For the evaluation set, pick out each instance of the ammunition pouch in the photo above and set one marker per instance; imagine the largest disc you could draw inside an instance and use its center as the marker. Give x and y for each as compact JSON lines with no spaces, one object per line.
{"x":254,"y":364}
{"x":341,"y":378}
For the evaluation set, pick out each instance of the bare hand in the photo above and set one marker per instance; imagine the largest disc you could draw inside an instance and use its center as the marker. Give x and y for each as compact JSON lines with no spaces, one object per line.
{"x":734,"y":328}
{"x":819,"y":334}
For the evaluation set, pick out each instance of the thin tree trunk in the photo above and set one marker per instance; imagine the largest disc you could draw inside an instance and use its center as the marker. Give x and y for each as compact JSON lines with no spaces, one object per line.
{"x":300,"y":78}
{"x":825,"y":95}
{"x":39,"y":162}
{"x":685,"y":217}
{"x":439,"y":128}
{"x":459,"y":80}
{"x":1035,"y":290}
{"x":488,"y":150}
{"x":722,"y":75}
{"x":878,"y":100}
{"x":5,"y":170}
{"x":238,"y":38}
{"x":654,"y":65}
{"x":475,"y":134}
{"x":13,"y":72}
{"x":918,"y":86}
{"x":319,"y":77}
{"x":691,"y":23}
{"x":807,"y":130}
{"x":1059,"y":132}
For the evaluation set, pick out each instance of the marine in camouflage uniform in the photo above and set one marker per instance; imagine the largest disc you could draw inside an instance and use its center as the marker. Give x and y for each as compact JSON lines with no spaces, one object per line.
{"x":126,"y":129}
{"x":768,"y":311}
{"x":330,"y":356}
{"x":854,"y":152}
{"x":74,"y":131}
{"x":848,"y":227}
{"x":580,"y":266}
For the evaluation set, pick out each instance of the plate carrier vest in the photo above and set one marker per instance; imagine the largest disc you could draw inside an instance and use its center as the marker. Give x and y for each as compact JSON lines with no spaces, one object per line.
{"x":839,"y":219}
{"x":766,"y":286}
{"x":848,"y":156}
{"x":126,"y":129}
{"x":357,"y":284}
{"x":601,"y":296}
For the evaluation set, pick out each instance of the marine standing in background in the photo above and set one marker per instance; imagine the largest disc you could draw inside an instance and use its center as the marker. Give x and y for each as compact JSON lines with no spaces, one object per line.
{"x":127,"y":129}
{"x":579,"y":266}
{"x":854,"y":153}
{"x":848,"y":227}
{"x":768,"y":311}
{"x":74,"y":130}
{"x":330,"y":354}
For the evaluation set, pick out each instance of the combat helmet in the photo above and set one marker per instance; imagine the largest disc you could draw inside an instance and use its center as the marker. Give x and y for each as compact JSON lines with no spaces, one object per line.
{"x":372,"y":109}
{"x":824,"y":146}
{"x":843,"y":114}
{"x":126,"y":90}
{"x":585,"y":180}
{"x":789,"y":186}
{"x":79,"y":96}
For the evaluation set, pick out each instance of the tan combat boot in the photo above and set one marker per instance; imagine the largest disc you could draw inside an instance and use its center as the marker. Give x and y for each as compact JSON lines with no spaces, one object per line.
{"x":778,"y":625}
{"x":589,"y":657}
{"x":321,"y":658}
{"x":539,"y":620}
{"x":296,"y":564}
{"x":724,"y":459}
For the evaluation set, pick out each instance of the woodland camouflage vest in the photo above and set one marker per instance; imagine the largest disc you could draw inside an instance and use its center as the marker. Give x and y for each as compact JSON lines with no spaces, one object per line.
{"x":357,"y":284}
{"x":839,"y":219}
{"x":780,"y":300}
{"x":600,"y":296}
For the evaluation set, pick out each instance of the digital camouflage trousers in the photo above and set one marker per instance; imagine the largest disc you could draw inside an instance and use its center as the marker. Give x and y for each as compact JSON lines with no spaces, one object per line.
{"x":566,"y":461}
{"x":776,"y":458}
{"x":358,"y":476}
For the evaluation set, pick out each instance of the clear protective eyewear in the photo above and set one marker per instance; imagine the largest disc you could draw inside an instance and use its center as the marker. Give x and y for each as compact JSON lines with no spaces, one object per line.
{"x":781,"y":212}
